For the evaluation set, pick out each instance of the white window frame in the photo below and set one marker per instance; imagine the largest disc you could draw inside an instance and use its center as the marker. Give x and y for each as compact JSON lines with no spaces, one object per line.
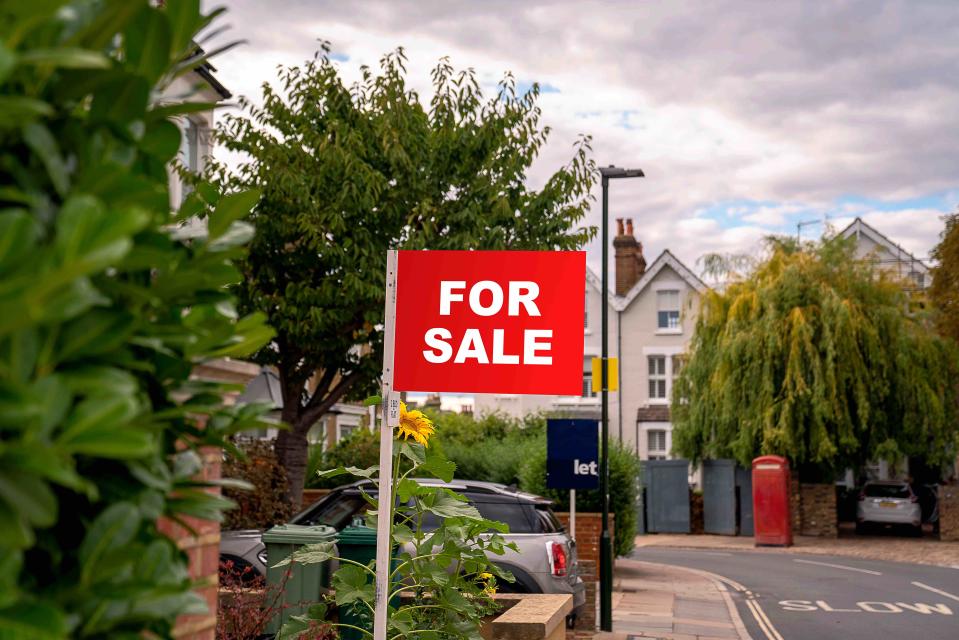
{"x":646,"y":453}
{"x":662,"y":452}
{"x":668,"y":353}
{"x":664,"y":289}
{"x":657,"y":378}
{"x":588,"y":384}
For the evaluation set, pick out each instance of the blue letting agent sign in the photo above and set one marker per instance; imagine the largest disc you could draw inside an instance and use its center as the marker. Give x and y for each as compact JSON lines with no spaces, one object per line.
{"x":572,"y":454}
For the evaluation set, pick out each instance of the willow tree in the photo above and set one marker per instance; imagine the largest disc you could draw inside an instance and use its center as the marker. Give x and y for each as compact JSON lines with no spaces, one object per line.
{"x":348,"y":172}
{"x":815,"y":355}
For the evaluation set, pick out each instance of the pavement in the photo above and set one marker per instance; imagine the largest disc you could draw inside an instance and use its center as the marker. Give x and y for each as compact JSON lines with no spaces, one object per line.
{"x":877,"y":547}
{"x":653,"y":600}
{"x":686,"y":594}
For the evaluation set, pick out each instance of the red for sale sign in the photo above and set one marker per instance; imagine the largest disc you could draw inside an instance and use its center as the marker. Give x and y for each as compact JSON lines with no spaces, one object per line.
{"x":489,"y":321}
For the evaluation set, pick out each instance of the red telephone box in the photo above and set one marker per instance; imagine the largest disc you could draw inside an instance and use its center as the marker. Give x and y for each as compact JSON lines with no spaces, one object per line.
{"x":771,"y":519}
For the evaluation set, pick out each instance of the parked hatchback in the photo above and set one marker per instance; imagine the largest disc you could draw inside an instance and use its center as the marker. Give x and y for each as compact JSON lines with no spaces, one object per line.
{"x":545,"y":563}
{"x":888,"y":503}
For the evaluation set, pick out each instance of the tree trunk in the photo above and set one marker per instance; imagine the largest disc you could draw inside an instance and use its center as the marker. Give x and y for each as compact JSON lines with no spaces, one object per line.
{"x":292,"y":452}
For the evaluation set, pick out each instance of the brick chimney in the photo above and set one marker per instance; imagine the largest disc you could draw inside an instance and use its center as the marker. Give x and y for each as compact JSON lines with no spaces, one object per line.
{"x":630,"y":264}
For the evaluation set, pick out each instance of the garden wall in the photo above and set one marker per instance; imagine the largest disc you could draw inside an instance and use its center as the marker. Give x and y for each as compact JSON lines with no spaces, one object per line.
{"x":589,"y":527}
{"x":949,"y":513}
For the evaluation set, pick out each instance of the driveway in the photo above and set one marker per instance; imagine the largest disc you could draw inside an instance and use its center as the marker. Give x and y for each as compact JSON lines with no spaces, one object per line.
{"x":786,"y":596}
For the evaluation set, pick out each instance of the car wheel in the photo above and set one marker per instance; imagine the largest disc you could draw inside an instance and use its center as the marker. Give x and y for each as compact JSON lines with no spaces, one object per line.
{"x":917,"y":531}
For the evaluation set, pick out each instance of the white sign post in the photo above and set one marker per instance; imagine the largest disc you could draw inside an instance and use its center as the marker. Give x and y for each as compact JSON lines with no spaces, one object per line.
{"x":391,"y":418}
{"x":572,"y":514}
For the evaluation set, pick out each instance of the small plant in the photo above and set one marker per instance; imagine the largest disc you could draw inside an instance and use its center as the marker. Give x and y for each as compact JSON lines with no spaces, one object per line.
{"x":440,"y":562}
{"x":265,"y":505}
{"x":247,"y":604}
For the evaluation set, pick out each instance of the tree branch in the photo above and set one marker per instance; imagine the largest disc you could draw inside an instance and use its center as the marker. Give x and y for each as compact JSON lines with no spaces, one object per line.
{"x":309,"y":417}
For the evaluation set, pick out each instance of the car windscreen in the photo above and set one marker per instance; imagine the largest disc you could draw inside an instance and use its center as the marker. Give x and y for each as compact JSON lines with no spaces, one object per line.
{"x":336,"y":511}
{"x":887,"y":491}
{"x":516,"y":515}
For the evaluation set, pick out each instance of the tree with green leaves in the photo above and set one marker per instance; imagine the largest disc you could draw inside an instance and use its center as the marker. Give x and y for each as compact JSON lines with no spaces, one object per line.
{"x":349,"y":172}
{"x":944,"y":291}
{"x":104,"y":313}
{"x":815,"y":355}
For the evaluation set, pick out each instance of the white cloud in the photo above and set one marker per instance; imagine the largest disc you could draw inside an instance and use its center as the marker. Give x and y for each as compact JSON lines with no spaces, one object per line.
{"x":794,"y":105}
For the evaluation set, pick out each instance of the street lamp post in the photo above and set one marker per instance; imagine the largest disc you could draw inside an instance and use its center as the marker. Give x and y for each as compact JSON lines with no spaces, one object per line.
{"x":605,"y":543}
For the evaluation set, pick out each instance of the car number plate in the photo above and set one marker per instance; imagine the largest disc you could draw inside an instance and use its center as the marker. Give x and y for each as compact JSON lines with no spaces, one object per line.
{"x":888,"y":505}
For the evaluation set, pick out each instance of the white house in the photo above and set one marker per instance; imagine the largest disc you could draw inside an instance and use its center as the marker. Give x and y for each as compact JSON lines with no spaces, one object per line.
{"x":889,"y":255}
{"x":651,"y":317}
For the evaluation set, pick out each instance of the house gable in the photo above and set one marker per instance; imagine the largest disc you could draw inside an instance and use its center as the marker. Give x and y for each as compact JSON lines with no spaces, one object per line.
{"x":871,"y":240}
{"x":664,"y":261}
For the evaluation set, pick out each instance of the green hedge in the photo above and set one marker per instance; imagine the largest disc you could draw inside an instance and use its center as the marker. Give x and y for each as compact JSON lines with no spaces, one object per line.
{"x":496,"y":448}
{"x":624,"y":468}
{"x":106,"y":311}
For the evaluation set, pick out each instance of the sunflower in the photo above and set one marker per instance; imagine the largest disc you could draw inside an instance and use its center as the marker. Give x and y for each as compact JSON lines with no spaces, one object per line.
{"x":488,"y":582}
{"x":414,"y":424}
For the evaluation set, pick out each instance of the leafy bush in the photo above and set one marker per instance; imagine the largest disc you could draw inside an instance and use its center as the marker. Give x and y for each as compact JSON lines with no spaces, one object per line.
{"x":359,"y":449}
{"x":105,"y":313}
{"x":492,"y":448}
{"x":624,"y":469}
{"x":264,"y":505}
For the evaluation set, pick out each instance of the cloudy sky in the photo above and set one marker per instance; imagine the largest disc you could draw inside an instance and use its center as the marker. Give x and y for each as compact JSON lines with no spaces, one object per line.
{"x":747,"y":117}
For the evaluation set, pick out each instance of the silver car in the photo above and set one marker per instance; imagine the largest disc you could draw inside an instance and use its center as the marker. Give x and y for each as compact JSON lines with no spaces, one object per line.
{"x":888,"y":503}
{"x":545,"y":563}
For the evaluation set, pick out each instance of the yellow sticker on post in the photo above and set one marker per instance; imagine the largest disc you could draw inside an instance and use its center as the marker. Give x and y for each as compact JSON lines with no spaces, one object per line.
{"x":612,"y":373}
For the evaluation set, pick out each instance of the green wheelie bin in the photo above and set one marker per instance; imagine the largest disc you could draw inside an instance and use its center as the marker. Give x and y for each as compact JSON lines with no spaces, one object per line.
{"x":307,"y":582}
{"x":359,"y":545}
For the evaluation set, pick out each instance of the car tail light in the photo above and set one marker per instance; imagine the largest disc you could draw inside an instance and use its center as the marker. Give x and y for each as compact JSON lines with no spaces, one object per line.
{"x":862,"y":496}
{"x":558,"y":558}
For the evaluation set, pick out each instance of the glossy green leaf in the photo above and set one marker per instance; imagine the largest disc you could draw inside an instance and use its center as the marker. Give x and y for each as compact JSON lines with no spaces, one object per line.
{"x":33,"y":621}
{"x":8,"y":61}
{"x":16,"y":110}
{"x":18,"y":235}
{"x":184,"y":16}
{"x":309,"y":554}
{"x":123,"y":99}
{"x":231,"y":207}
{"x":41,"y":141}
{"x":161,"y":140}
{"x":147,"y":42}
{"x":66,"y":57}
{"x":113,"y":528}
{"x":30,"y":497}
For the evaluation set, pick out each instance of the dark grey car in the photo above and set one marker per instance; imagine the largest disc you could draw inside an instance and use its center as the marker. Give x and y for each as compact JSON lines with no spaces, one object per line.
{"x":545,"y":563}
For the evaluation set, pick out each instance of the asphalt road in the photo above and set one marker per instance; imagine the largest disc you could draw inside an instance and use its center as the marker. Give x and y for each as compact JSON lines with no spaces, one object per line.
{"x":785,"y":596}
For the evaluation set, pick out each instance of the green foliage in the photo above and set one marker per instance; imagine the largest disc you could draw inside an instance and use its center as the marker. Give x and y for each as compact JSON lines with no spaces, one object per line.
{"x":104,"y":313}
{"x":815,"y":355}
{"x":492,"y":448}
{"x":350,"y":172}
{"x":260,"y":505}
{"x":944,"y":292}
{"x":361,"y":448}
{"x":446,"y":568}
{"x":624,"y":469}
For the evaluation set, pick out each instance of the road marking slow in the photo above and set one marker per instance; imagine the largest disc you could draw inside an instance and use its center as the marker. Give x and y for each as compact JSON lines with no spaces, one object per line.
{"x":934,"y":590}
{"x":867,"y":606}
{"x":838,"y":566}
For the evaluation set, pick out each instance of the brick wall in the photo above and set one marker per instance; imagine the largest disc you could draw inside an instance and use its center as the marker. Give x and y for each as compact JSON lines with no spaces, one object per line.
{"x":949,"y":513}
{"x":203,"y":551}
{"x":588,"y":530}
{"x":817,"y":511}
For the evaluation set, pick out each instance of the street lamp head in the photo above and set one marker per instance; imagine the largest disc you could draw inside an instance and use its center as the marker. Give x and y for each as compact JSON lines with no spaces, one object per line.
{"x":619,"y":172}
